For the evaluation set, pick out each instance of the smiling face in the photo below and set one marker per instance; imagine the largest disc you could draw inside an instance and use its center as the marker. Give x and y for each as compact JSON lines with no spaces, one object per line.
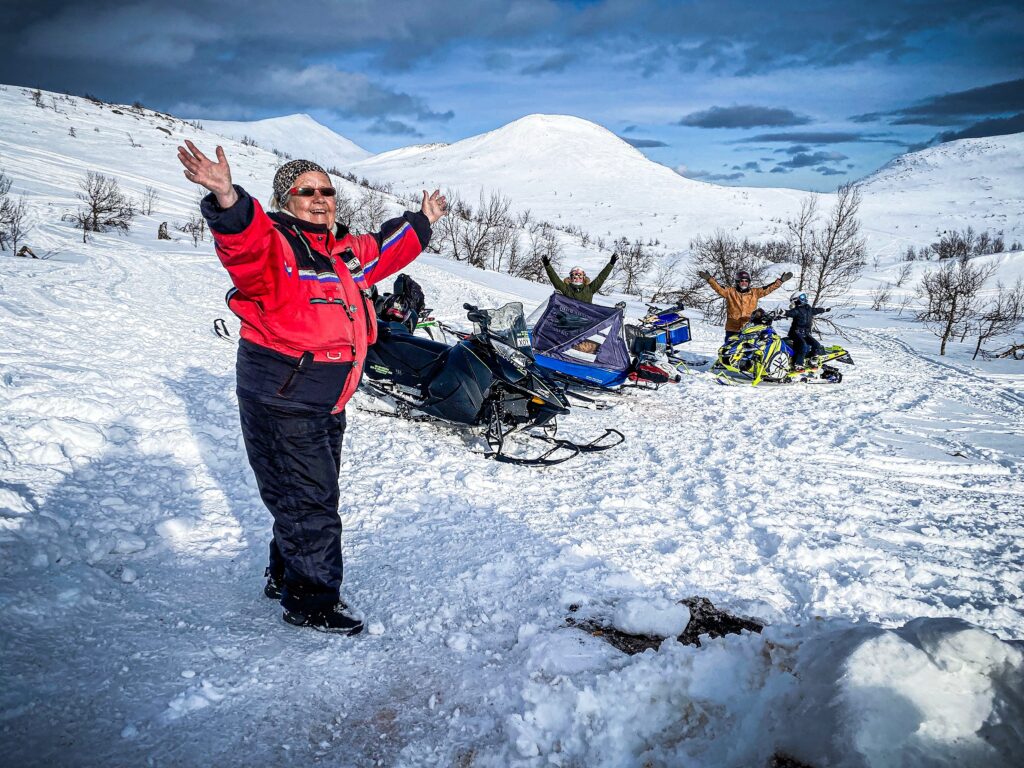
{"x":316,"y":209}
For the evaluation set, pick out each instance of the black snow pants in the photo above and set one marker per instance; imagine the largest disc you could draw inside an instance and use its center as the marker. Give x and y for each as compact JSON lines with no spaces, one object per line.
{"x":296,"y":457}
{"x":803,"y":344}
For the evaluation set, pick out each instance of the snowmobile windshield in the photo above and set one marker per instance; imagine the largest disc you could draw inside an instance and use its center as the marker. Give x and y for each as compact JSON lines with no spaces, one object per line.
{"x":508,"y":325}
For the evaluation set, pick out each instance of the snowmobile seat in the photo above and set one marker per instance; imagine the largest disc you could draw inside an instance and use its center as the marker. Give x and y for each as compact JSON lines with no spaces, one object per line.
{"x":415,"y":355}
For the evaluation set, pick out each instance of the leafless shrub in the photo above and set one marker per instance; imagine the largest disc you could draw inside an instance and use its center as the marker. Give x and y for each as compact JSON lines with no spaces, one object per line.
{"x":195,"y":228}
{"x":904,"y":274}
{"x":880,"y":296}
{"x":666,"y":278}
{"x":248,"y":141}
{"x":149,"y":198}
{"x":37,"y":98}
{"x":13,"y":216}
{"x":801,"y":236}
{"x":106,"y":206}
{"x":950,"y":294}
{"x":837,"y":250}
{"x":1001,"y":315}
{"x":132,"y":141}
{"x":960,"y":244}
{"x":370,"y":211}
{"x":634,"y":263}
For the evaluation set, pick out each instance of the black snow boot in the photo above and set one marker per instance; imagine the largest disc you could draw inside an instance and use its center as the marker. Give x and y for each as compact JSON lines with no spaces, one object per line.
{"x":335,"y":619}
{"x":274,"y":586}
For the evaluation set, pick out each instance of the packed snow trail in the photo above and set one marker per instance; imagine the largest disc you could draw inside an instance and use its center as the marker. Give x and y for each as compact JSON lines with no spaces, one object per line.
{"x":134,"y":540}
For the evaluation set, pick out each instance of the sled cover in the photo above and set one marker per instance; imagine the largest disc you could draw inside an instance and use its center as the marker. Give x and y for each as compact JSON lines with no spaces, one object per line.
{"x":585,"y":334}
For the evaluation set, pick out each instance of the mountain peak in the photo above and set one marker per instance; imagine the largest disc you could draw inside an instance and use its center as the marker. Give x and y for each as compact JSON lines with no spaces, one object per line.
{"x":297,"y":135}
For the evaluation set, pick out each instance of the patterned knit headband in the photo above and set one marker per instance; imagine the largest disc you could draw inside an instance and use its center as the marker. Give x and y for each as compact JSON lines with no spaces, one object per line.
{"x":288,"y":173}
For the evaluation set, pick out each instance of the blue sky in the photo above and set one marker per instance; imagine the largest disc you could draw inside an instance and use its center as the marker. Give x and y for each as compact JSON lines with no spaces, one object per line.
{"x":797,"y":94}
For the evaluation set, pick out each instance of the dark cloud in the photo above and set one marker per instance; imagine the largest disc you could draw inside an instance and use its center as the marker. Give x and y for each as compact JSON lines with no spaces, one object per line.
{"x":821,"y":137}
{"x":386,"y":127}
{"x":643,"y":143}
{"x":740,"y":37}
{"x":805,"y":160}
{"x":795,"y":149}
{"x":779,"y":169}
{"x":743,"y":116}
{"x":954,"y":108}
{"x":997,"y":126}
{"x":552,"y":64}
{"x":629,"y":129}
{"x":710,"y":175}
{"x":824,"y":170}
{"x":750,"y":166}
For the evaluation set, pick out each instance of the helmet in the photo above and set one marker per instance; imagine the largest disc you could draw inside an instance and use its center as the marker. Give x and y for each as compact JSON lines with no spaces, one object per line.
{"x":743,"y":276}
{"x":798,"y":298}
{"x":577,"y":276}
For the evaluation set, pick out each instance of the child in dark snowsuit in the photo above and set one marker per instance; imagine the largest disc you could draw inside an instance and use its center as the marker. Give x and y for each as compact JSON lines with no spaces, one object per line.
{"x":800,"y":337}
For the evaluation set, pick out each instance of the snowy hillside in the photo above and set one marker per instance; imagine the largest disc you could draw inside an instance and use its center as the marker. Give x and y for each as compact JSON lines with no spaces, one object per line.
{"x":874,"y":527}
{"x":975,"y":183}
{"x":297,"y":135}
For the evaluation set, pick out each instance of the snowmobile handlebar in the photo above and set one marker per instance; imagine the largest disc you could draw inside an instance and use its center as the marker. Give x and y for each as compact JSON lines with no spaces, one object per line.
{"x":476,"y":315}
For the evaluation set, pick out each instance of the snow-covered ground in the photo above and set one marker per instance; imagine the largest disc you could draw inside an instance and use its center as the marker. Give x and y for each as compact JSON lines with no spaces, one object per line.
{"x":875,"y":527}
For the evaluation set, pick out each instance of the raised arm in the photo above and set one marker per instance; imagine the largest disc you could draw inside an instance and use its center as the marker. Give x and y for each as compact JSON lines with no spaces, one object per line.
{"x":243,"y":235}
{"x":553,"y":276}
{"x":713,"y":283}
{"x":598,"y":281}
{"x":400,"y":240}
{"x":214,"y":176}
{"x":772,"y":287}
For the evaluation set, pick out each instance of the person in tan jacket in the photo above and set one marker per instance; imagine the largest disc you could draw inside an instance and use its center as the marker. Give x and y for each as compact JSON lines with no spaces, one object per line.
{"x":741,"y":300}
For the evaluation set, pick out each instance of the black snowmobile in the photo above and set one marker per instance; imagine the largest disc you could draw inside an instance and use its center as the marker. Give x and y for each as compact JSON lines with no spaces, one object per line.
{"x":487,"y":381}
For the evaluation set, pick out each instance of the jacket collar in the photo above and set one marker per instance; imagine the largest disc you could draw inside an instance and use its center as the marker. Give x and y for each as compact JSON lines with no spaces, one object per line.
{"x":303,"y":226}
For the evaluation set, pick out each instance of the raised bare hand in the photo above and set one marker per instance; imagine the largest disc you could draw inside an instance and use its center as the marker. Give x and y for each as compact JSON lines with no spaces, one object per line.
{"x":434,"y":205}
{"x":214,"y":176}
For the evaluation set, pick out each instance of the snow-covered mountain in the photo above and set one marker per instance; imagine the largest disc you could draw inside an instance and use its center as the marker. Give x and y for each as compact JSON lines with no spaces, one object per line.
{"x":572,"y":171}
{"x":299,"y":136}
{"x":874,"y":527}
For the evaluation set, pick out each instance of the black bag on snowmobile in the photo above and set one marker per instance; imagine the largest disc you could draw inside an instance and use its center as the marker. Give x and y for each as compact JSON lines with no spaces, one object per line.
{"x":405,"y":304}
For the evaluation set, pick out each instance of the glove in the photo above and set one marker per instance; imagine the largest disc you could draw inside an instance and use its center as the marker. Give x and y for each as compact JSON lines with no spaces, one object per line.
{"x":704,"y":275}
{"x":615,"y":257}
{"x":786,"y":276}
{"x":545,"y":261}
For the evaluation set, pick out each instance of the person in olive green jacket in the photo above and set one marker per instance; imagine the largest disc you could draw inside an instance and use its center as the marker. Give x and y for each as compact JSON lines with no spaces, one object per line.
{"x":578,"y":286}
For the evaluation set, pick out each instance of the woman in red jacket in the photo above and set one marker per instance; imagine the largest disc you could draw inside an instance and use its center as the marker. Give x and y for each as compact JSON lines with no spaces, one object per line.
{"x":299,"y":289}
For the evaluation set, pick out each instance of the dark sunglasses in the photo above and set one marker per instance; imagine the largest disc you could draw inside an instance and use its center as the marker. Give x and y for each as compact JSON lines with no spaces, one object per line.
{"x":310,"y":191}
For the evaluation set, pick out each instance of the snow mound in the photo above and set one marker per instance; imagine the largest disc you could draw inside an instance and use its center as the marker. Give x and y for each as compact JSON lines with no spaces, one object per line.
{"x":655,"y":618}
{"x":297,"y":135}
{"x":935,"y":692}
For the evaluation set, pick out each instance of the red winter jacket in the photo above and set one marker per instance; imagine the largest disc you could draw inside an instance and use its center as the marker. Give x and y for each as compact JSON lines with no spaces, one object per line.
{"x":306,"y":323}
